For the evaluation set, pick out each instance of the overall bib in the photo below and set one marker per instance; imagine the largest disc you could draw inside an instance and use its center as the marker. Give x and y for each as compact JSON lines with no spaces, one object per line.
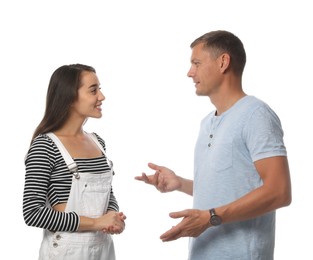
{"x":89,"y":196}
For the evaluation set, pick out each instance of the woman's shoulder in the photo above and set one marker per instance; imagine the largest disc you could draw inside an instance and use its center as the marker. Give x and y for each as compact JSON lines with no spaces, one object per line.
{"x":41,"y":147}
{"x":42,"y":140}
{"x":100,"y":139}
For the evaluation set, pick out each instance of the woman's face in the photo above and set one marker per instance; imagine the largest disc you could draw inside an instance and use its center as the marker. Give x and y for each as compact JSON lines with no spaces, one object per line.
{"x":90,"y":97}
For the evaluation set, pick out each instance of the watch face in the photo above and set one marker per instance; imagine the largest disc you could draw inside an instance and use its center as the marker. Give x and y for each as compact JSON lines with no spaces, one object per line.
{"x":215,"y":220}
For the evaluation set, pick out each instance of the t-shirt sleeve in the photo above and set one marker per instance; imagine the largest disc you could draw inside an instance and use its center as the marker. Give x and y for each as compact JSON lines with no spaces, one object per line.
{"x":264,"y":134}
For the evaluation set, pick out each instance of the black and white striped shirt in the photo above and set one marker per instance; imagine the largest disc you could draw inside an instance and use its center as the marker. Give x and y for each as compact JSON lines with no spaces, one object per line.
{"x":48,"y":179}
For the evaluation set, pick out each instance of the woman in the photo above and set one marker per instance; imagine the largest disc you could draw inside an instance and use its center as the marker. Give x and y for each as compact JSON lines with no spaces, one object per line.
{"x":68,"y":178}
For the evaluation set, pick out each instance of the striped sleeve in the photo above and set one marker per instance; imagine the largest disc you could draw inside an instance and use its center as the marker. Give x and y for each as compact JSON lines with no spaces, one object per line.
{"x":113,"y":205}
{"x":39,"y":164}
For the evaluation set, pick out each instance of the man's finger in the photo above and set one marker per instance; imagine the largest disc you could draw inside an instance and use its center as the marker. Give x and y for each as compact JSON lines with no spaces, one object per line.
{"x":154,"y":166}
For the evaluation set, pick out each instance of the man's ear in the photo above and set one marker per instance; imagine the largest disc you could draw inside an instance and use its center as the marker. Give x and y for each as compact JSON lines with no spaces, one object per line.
{"x":224,"y":62}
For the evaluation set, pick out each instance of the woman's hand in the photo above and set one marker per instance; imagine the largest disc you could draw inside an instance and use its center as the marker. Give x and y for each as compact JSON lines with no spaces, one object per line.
{"x":116,"y":222}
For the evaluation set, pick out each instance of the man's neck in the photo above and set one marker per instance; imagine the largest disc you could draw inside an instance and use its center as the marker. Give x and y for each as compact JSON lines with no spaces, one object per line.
{"x":224,"y":102}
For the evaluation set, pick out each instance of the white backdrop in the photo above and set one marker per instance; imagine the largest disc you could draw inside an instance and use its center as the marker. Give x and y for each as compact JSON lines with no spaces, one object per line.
{"x":141,"y":52}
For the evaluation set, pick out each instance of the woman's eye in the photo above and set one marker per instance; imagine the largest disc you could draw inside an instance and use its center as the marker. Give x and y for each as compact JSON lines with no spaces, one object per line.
{"x":94,"y":90}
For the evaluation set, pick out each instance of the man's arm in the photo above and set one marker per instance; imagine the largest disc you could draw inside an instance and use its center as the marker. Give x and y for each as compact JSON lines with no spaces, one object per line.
{"x":273,"y":194}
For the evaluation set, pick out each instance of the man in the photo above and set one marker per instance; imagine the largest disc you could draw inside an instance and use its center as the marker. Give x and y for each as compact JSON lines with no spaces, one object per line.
{"x":241,"y":172}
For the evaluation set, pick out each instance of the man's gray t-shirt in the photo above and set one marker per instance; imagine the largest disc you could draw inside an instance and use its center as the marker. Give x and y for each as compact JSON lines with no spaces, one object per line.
{"x":225,"y":152}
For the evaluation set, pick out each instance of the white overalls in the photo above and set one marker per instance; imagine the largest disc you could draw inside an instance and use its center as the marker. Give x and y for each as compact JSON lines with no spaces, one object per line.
{"x":89,"y":196}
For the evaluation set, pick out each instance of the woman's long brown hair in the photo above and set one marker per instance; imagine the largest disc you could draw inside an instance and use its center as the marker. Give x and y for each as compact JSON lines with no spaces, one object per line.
{"x":62,"y":92}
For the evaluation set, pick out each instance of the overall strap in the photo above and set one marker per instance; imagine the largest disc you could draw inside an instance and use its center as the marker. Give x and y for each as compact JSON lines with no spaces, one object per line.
{"x":71,"y":164}
{"x":95,"y":139}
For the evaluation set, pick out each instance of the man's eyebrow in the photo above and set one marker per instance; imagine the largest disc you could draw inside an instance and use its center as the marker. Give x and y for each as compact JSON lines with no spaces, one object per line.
{"x":195,"y":60}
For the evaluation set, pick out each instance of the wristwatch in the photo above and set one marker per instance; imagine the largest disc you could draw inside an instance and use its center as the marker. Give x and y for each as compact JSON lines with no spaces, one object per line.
{"x":215,"y":220}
